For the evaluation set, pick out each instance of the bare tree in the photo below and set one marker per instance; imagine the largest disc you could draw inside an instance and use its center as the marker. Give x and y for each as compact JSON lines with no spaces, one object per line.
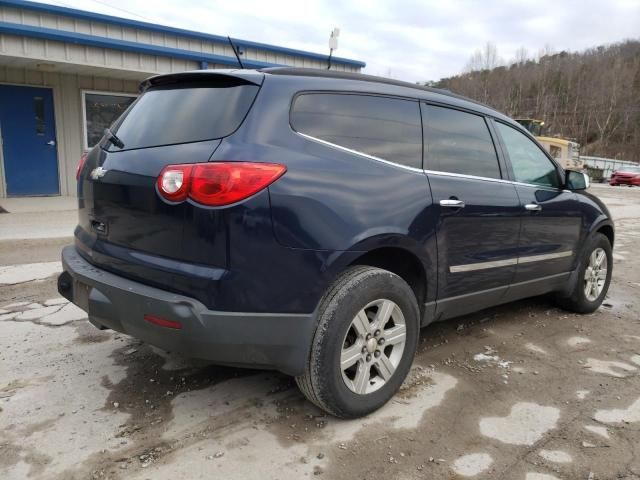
{"x":591,"y":96}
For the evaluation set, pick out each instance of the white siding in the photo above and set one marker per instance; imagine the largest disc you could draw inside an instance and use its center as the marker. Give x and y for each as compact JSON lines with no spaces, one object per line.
{"x":69,"y":68}
{"x":98,"y":57}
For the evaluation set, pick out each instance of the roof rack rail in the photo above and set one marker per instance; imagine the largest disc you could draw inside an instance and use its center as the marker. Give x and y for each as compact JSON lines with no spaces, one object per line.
{"x":314,"y":72}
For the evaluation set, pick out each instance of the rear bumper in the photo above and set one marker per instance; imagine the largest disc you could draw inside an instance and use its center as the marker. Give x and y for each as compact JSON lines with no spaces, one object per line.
{"x":261,"y":340}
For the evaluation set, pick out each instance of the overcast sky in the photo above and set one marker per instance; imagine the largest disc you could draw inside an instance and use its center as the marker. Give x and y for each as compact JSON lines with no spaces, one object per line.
{"x":411,"y":40}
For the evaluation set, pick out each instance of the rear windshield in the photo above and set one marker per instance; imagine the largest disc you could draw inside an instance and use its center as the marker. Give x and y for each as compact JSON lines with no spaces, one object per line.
{"x":181,"y":114}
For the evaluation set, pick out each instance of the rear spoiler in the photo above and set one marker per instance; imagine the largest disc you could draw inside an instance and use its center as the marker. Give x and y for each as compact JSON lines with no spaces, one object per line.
{"x":229,"y":77}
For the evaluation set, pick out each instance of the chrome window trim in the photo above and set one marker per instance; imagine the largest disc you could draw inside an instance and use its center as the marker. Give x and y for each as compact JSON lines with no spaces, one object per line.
{"x":489,"y":179}
{"x":470,"y":267}
{"x":356,"y":152}
{"x":420,"y":170}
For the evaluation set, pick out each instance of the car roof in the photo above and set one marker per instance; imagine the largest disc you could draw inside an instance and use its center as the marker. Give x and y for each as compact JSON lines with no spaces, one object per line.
{"x":379,"y":83}
{"x":311,"y":78}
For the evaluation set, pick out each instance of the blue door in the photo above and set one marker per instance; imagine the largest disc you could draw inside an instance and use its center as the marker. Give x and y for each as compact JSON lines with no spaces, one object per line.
{"x":28,"y":141}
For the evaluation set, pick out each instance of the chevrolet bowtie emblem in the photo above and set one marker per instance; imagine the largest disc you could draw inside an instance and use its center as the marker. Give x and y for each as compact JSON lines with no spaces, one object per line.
{"x":98,"y":172}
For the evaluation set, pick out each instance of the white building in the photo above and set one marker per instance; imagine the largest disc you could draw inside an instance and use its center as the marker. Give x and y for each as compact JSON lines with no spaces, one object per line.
{"x":66,"y":74}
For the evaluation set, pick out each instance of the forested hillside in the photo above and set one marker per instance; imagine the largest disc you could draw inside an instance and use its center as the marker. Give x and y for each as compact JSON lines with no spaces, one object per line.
{"x":591,"y":96}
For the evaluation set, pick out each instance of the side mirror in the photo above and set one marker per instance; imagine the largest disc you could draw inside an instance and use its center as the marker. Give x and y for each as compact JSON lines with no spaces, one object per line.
{"x":577,"y":180}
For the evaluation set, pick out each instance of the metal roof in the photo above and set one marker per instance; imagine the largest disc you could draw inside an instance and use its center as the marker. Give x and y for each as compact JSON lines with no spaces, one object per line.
{"x":152,"y":27}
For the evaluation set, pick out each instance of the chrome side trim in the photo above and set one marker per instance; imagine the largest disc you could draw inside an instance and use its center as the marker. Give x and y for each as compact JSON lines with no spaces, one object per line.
{"x":546,"y":256}
{"x":356,"y":152}
{"x":470,"y":267}
{"x":483,"y":265}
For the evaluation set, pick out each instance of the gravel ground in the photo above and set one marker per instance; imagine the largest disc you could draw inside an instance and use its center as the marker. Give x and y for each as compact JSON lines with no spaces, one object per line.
{"x":523,"y":391}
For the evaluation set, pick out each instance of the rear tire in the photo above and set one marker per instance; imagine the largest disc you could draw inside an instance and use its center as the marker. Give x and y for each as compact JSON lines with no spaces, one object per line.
{"x":594,"y":277}
{"x":365,"y":341}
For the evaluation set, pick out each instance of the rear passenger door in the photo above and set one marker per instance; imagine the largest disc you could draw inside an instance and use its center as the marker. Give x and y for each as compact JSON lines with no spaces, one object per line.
{"x":479,"y":212}
{"x":551,"y":216}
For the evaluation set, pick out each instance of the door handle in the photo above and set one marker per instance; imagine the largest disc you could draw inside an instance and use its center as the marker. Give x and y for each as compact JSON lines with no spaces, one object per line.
{"x":533,"y":207}
{"x":51,"y":143}
{"x":451,"y":203}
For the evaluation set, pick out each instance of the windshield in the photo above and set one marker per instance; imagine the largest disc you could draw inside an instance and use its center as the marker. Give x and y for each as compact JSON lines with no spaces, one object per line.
{"x":630,"y":170}
{"x":182,"y":114}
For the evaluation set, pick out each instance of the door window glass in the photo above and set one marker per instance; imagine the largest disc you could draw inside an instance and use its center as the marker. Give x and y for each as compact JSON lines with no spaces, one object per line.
{"x":459,"y":142}
{"x":387,"y":128}
{"x":529,"y":163}
{"x":38,"y":112}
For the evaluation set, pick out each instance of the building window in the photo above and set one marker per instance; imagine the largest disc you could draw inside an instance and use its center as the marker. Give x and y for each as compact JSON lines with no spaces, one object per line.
{"x":100,"y":110}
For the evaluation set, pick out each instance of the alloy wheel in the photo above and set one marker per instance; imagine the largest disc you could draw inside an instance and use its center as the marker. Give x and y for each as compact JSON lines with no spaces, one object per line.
{"x":595,"y":275}
{"x":373,"y":346}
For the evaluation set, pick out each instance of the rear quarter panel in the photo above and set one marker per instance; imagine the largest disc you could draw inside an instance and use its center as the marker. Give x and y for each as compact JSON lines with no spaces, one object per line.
{"x":331,"y":206}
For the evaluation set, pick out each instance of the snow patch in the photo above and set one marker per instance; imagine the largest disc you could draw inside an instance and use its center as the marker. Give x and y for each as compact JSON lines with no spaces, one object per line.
{"x":582,"y":394}
{"x":577,"y":341}
{"x":483,"y":357}
{"x":9,"y":316}
{"x":602,"y":431}
{"x":540,"y":476}
{"x":15,"y":305}
{"x":636,"y":359}
{"x":472,"y":464}
{"x":56,"y":301}
{"x":617,"y":415}
{"x":555,"y":456}
{"x":37,"y":313}
{"x":28,"y":272}
{"x":535,"y":348}
{"x":66,"y":314}
{"x":525,"y":425}
{"x":609,"y":367}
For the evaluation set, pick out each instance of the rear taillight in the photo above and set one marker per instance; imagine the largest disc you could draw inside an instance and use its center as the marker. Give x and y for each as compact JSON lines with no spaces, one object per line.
{"x":216,"y":183}
{"x":83,"y":159}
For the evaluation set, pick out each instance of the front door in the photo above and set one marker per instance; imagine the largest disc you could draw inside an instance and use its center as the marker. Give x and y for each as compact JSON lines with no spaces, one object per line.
{"x":28,"y":141}
{"x":479,"y":212}
{"x":551,"y":216}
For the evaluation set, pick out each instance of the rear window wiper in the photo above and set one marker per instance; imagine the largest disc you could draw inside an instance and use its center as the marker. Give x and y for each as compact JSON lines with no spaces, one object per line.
{"x":113,"y":138}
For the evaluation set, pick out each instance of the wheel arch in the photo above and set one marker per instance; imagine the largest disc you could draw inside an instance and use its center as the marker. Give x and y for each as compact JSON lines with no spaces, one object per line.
{"x":402,"y":255}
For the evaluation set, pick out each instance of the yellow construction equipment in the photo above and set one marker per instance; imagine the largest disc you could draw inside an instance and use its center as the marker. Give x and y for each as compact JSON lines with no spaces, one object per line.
{"x":566,"y":152}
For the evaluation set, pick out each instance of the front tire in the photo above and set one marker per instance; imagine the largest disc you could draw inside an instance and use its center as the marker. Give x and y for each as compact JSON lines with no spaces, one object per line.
{"x":366,"y":338}
{"x":594,"y":277}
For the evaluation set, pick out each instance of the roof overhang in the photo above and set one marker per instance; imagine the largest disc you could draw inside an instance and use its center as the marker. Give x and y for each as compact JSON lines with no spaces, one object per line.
{"x":152,"y":27}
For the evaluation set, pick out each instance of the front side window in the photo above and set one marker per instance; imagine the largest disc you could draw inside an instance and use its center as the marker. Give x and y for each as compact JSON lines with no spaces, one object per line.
{"x":459,"y":142}
{"x":101,"y":110}
{"x":529,"y":163}
{"x":387,"y":128}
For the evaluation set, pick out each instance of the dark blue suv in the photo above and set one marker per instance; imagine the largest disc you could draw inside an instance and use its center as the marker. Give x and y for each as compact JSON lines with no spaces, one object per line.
{"x":311,"y":222}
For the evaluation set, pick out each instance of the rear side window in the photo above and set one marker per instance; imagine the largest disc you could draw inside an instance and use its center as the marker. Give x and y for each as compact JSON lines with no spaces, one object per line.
{"x":459,"y":142}
{"x":184,"y":113}
{"x":529,"y":163}
{"x":386,"y":128}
